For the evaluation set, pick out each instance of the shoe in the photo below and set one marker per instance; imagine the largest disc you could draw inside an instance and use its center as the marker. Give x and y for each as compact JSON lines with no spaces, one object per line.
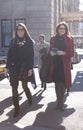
{"x":68,"y":90}
{"x":57,"y":107}
{"x":44,"y":86}
{"x":67,"y":94}
{"x":61,"y":109}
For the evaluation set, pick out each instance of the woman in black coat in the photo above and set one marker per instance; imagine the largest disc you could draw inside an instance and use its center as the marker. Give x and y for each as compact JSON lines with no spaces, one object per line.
{"x":20,"y":63}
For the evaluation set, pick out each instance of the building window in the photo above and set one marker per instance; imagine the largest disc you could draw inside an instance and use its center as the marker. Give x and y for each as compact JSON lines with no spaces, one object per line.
{"x":6,"y":32}
{"x":19,"y":21}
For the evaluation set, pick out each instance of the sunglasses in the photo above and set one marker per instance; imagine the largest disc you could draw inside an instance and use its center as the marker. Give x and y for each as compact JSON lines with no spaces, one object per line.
{"x":20,"y":29}
{"x":62,"y":28}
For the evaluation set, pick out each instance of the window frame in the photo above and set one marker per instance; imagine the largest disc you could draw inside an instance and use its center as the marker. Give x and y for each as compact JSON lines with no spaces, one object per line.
{"x":4,"y":34}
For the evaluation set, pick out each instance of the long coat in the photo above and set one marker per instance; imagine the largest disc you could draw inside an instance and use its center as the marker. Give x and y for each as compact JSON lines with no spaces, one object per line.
{"x":65,"y":58}
{"x":13,"y":62}
{"x":40,"y":47}
{"x":28,"y":54}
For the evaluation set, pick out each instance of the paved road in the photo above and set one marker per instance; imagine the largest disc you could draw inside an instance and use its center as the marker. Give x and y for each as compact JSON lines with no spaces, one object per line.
{"x":42,"y":114}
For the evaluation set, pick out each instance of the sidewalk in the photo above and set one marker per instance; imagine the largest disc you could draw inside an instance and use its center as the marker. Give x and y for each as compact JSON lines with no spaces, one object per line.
{"x":42,"y":114}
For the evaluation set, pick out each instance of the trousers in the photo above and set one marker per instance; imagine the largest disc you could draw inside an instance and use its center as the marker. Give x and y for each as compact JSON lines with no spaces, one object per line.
{"x":15,"y":93}
{"x":60,"y":90}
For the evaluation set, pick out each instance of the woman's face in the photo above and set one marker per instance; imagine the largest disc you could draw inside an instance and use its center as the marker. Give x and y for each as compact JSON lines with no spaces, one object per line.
{"x":41,"y":39}
{"x":61,"y":30}
{"x":20,"y":31}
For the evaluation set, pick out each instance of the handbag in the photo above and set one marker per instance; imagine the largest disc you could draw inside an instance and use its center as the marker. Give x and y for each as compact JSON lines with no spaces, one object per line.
{"x":47,"y":69}
{"x":75,"y":59}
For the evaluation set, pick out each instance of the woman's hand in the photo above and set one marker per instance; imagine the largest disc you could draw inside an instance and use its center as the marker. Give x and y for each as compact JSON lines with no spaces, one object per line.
{"x":52,"y":53}
{"x":29,"y":72}
{"x":60,"y":52}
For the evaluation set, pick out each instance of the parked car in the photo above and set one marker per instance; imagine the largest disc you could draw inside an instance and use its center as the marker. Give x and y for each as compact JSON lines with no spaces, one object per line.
{"x":2,"y":65}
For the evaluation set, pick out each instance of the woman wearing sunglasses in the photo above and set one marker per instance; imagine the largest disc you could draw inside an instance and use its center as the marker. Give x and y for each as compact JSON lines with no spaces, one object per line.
{"x":61,"y":50}
{"x":20,"y":64}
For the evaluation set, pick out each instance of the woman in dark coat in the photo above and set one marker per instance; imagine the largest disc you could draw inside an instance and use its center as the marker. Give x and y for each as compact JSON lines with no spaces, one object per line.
{"x":61,"y":50}
{"x":20,"y":63}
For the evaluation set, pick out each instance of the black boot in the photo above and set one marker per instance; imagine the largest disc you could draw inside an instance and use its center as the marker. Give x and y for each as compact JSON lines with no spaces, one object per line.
{"x":28,"y":94}
{"x":41,"y":84}
{"x":68,"y":90}
{"x":61,"y":104}
{"x":17,"y":111}
{"x":60,"y":90}
{"x":60,"y":107}
{"x":57,"y":106}
{"x":16,"y":105}
{"x":44,"y":86}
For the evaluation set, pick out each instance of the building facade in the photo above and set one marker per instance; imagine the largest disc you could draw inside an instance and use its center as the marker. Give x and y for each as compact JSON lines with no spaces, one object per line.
{"x":38,"y":15}
{"x":72,"y":13}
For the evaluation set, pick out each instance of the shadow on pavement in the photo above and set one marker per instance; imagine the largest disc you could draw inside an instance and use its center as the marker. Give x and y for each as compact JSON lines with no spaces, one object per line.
{"x":7,"y":103}
{"x":24,"y":108}
{"x":51,"y":118}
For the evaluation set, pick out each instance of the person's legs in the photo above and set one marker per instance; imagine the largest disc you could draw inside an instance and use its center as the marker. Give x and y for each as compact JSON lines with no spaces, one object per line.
{"x":68,"y":90}
{"x":62,"y":95}
{"x":27,"y":91}
{"x":57,"y":89}
{"x":60,"y":90}
{"x":15,"y":99}
{"x":41,"y":84}
{"x":44,"y":85}
{"x":14,"y":85}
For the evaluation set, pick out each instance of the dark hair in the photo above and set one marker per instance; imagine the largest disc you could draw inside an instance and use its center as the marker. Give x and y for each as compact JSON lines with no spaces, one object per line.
{"x":64,"y":24}
{"x":26,"y":35}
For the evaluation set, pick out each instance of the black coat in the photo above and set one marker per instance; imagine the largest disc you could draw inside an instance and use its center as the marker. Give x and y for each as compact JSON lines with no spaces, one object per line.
{"x":45,"y":67}
{"x":13,"y":58}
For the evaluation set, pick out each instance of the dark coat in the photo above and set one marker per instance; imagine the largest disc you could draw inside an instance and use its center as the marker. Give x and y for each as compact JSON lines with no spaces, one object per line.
{"x":65,"y":58}
{"x":45,"y":67}
{"x":13,"y":59}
